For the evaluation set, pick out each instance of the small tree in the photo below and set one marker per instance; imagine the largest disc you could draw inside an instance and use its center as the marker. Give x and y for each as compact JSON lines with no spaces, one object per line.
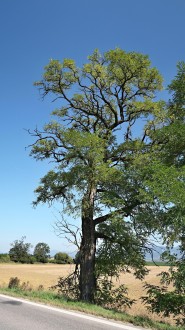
{"x":20,"y":251}
{"x":41,"y":252}
{"x":63,"y":258}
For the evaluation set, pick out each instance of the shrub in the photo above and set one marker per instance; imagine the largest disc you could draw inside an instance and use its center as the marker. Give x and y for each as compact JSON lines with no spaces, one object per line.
{"x":52,"y":261}
{"x":26,"y":286}
{"x":106,"y":294}
{"x":62,"y":258}
{"x":14,"y":282}
{"x":31,"y":260}
{"x":4,"y":257}
{"x":110,"y":297}
{"x":40,"y":287}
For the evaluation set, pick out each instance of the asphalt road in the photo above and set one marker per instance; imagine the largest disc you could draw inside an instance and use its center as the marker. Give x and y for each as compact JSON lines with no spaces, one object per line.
{"x":19,"y":314}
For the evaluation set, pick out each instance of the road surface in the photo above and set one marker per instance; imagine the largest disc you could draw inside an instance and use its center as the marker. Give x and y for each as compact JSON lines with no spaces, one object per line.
{"x":20,"y":314}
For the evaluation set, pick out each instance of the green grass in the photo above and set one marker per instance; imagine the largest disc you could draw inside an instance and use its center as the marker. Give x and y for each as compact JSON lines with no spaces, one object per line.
{"x":53,"y":299}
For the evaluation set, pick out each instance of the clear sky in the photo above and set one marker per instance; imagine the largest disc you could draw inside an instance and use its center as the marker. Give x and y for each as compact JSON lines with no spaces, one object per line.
{"x":32,"y":32}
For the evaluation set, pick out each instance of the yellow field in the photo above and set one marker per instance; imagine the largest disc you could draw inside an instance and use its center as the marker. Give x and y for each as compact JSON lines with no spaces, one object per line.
{"x":47,"y":275}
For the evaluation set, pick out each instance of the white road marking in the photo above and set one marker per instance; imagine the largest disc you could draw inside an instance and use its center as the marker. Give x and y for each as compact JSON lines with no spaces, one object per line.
{"x":83,"y":316}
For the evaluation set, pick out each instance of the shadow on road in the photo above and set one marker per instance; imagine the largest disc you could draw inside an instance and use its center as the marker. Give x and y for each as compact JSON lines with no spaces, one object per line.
{"x":11,"y":302}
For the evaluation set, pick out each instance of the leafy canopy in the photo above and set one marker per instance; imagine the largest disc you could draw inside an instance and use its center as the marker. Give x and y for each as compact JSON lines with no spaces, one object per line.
{"x":115,"y":146}
{"x":19,"y":251}
{"x":93,"y":140}
{"x":41,"y":252}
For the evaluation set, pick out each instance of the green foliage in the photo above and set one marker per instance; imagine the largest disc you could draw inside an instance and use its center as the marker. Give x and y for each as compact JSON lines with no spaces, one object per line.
{"x":104,"y":163}
{"x":32,"y":259}
{"x":121,"y":250}
{"x":62,"y":258}
{"x":4,"y":257}
{"x":20,"y":251}
{"x":161,"y":299}
{"x":177,"y":87}
{"x":69,"y":286}
{"x":110,"y":297}
{"x":171,"y":188}
{"x":114,"y":88}
{"x":106,"y":294}
{"x":41,"y":252}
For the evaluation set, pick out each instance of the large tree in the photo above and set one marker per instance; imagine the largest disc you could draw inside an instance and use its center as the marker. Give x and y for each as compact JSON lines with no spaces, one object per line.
{"x":103,"y":141}
{"x":170,"y":300}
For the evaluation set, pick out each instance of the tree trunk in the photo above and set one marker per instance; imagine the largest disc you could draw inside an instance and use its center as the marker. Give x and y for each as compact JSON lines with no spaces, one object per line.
{"x":88,"y":249}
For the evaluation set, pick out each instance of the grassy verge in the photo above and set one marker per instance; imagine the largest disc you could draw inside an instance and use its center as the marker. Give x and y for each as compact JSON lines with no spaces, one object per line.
{"x":53,"y":299}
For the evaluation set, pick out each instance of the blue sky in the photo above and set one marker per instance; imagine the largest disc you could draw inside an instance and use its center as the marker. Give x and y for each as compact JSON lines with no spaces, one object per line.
{"x":32,"y":32}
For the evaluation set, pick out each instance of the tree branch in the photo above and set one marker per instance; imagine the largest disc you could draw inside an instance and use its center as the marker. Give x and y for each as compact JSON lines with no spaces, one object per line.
{"x":126,"y":210}
{"x":68,"y":231}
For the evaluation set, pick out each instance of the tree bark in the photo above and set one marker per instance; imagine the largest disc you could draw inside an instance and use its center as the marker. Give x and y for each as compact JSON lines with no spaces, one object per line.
{"x":88,"y":249}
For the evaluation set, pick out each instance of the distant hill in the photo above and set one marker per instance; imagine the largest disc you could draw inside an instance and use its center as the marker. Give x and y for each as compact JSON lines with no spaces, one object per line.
{"x":158,"y":250}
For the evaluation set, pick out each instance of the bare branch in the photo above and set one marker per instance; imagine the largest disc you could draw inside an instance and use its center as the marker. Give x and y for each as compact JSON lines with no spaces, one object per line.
{"x":68,"y":231}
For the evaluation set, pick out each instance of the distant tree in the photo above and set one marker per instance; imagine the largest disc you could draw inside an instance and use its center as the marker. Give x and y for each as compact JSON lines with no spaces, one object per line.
{"x":63,"y":258}
{"x":4,"y":257}
{"x":20,"y":251}
{"x":41,"y":252}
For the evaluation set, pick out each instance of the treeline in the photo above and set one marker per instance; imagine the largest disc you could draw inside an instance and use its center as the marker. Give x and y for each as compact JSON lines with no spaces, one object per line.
{"x":20,"y":253}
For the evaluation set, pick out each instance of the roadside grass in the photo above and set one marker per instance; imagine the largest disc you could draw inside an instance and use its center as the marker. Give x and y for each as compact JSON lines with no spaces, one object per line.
{"x":54,"y":299}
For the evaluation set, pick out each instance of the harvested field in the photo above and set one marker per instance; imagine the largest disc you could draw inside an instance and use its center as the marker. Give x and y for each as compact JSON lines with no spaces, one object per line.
{"x":37,"y":274}
{"x":48,"y":274}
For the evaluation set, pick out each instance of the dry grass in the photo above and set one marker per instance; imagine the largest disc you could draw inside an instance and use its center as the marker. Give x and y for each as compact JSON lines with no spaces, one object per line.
{"x":48,"y":274}
{"x":136,"y":290}
{"x":37,"y":274}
